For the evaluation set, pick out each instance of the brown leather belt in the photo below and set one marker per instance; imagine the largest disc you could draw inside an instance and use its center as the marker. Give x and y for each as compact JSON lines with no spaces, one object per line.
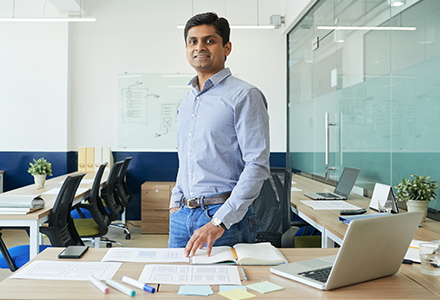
{"x":217,"y":199}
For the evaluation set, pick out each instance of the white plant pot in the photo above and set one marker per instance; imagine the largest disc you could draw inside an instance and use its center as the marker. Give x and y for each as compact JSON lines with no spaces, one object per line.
{"x":40,"y":180}
{"x":414,"y":205}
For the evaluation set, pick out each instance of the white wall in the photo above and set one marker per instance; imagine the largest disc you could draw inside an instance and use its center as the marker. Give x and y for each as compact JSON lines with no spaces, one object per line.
{"x":131,"y":36}
{"x":33,"y":86}
{"x":141,"y":36}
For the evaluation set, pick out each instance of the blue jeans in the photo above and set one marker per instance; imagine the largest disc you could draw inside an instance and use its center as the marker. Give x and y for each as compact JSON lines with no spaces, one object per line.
{"x":185,"y":221}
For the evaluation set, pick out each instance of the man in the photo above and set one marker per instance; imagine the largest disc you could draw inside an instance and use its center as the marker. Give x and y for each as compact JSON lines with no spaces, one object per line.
{"x":223,"y":146}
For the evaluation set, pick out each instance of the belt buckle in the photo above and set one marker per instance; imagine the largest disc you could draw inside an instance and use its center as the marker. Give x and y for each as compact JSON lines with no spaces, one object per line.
{"x":191,"y":203}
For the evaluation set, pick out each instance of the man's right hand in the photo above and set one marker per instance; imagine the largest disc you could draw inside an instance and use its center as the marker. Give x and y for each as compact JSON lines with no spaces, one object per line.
{"x":174,"y":209}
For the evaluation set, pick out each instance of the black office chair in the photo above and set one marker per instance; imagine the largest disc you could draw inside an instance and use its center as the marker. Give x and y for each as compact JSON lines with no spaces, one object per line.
{"x":111,"y":199}
{"x":273,"y":211}
{"x":124,"y":197}
{"x":60,"y":230}
{"x":93,"y":229}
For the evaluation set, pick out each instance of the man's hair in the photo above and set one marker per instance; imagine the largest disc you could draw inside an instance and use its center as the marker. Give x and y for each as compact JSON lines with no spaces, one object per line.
{"x":221,"y":25}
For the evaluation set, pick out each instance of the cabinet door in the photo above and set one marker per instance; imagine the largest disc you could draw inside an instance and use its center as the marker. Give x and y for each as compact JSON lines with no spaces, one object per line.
{"x":155,"y":204}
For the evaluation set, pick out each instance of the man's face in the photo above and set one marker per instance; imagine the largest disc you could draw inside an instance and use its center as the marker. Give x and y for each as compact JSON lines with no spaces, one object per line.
{"x":205,"y":51}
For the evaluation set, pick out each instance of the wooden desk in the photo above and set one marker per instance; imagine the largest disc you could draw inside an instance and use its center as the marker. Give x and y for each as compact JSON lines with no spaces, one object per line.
{"x":397,"y":286}
{"x":327,"y":221}
{"x":35,"y":219}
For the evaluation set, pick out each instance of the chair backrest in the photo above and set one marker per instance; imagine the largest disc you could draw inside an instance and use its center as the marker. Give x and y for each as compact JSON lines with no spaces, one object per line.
{"x":121,"y":184}
{"x":61,"y":230}
{"x":95,"y":198}
{"x":272,"y":206}
{"x":95,"y":206}
{"x":109,"y":195}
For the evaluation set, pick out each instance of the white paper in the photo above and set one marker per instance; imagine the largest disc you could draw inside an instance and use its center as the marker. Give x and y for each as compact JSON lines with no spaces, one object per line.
{"x":144,"y":255}
{"x":413,"y":251}
{"x":67,"y":270}
{"x":329,"y":204}
{"x":55,"y":191}
{"x":295,"y":189}
{"x":190,"y":274}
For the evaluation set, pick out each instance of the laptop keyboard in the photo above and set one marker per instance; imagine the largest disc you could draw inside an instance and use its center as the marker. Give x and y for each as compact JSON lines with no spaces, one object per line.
{"x":320,"y":275}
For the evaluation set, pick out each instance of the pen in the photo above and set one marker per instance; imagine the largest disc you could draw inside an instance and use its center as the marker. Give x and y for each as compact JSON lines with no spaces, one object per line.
{"x":101,"y":286}
{"x":120,"y":287}
{"x":244,"y":273}
{"x":407,"y":261}
{"x":138,"y":284}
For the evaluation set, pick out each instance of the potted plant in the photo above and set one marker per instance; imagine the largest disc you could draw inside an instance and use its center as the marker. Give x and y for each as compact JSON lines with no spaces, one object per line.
{"x":417,"y":192}
{"x":39,"y":169}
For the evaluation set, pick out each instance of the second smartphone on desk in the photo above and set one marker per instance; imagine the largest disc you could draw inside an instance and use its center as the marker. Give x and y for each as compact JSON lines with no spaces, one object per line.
{"x":73,"y":252}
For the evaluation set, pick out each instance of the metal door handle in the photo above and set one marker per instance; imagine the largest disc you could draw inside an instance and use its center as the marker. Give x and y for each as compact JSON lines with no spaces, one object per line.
{"x":327,"y":145}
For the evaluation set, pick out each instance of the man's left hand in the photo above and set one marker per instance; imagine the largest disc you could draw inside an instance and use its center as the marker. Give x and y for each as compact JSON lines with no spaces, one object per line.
{"x":204,"y":235}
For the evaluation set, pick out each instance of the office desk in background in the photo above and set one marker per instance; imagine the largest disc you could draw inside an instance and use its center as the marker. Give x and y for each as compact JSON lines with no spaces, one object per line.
{"x":397,"y":286}
{"x":35,"y":219}
{"x":327,"y":221}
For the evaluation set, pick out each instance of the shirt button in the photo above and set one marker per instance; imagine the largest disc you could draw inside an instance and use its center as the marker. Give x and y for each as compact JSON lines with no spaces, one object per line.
{"x":189,"y":153}
{"x":190,"y":134}
{"x":193,"y":115}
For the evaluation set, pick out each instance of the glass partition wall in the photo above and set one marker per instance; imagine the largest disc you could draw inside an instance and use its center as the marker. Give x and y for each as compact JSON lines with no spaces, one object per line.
{"x":364,"y":83}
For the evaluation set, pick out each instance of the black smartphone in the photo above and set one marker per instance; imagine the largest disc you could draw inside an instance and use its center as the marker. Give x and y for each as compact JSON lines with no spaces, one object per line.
{"x":73,"y":252}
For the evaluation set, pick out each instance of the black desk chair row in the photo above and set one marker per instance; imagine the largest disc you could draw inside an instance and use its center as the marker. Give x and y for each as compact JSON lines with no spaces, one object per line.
{"x":117,"y":196}
{"x":93,"y":229}
{"x":61,"y":230}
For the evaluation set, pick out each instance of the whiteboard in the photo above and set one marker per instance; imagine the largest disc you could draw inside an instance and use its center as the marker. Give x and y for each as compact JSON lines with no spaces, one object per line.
{"x":147,"y":109}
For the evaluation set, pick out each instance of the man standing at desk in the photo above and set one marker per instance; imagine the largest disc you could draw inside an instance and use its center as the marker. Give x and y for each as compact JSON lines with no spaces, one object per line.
{"x":223,"y":146}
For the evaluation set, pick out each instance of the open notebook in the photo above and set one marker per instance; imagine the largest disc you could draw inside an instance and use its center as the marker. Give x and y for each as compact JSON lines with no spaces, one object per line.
{"x":241,"y":254}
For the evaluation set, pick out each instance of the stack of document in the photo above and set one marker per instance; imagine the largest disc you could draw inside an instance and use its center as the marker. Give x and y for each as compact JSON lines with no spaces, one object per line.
{"x":348,"y":219}
{"x":20,"y":204}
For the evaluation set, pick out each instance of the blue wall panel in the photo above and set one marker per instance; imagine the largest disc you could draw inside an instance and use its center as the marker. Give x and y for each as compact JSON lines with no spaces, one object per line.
{"x":144,"y":166}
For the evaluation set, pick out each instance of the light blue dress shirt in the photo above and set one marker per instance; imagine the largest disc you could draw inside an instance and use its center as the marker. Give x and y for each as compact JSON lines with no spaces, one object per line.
{"x":223,"y":144}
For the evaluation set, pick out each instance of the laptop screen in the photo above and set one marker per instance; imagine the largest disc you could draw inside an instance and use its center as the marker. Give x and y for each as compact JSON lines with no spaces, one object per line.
{"x":347,"y":181}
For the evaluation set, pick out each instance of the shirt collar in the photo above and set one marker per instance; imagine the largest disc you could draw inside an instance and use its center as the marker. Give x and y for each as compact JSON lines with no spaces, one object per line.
{"x":215,"y":79}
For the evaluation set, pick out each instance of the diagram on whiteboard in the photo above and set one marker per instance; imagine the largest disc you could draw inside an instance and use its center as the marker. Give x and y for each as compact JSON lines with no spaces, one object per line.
{"x":148,"y":106}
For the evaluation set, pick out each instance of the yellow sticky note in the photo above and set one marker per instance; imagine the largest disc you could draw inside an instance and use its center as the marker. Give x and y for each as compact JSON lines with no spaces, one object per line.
{"x":237,"y":294}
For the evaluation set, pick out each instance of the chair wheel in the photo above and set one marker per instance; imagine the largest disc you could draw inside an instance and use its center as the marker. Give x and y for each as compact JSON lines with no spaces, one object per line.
{"x":128,"y":236}
{"x":108,"y":245}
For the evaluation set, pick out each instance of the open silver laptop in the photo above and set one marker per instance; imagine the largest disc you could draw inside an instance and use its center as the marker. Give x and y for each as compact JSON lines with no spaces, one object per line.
{"x":372,"y":248}
{"x":343,"y":188}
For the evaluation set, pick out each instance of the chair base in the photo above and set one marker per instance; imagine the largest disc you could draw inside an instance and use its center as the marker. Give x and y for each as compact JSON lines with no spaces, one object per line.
{"x":122,"y":226}
{"x":97,"y":240}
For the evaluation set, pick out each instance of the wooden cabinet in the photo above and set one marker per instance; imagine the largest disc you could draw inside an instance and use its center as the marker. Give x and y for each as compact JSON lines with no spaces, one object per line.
{"x":155,"y":198}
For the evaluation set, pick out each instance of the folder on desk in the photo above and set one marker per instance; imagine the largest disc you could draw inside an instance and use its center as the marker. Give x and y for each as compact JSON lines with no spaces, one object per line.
{"x":81,"y":159}
{"x":348,"y":219}
{"x":107,"y":156}
{"x":98,"y":158}
{"x":90,"y":159}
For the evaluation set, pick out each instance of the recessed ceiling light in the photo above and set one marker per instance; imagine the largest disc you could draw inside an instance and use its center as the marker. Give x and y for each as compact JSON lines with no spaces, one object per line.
{"x":396,"y":3}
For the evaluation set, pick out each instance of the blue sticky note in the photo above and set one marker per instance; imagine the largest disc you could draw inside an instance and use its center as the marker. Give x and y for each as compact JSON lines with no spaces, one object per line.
{"x":225,"y":288}
{"x":195,"y":290}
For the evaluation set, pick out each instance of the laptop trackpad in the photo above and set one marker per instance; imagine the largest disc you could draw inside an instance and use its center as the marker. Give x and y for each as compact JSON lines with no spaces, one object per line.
{"x":319,"y":262}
